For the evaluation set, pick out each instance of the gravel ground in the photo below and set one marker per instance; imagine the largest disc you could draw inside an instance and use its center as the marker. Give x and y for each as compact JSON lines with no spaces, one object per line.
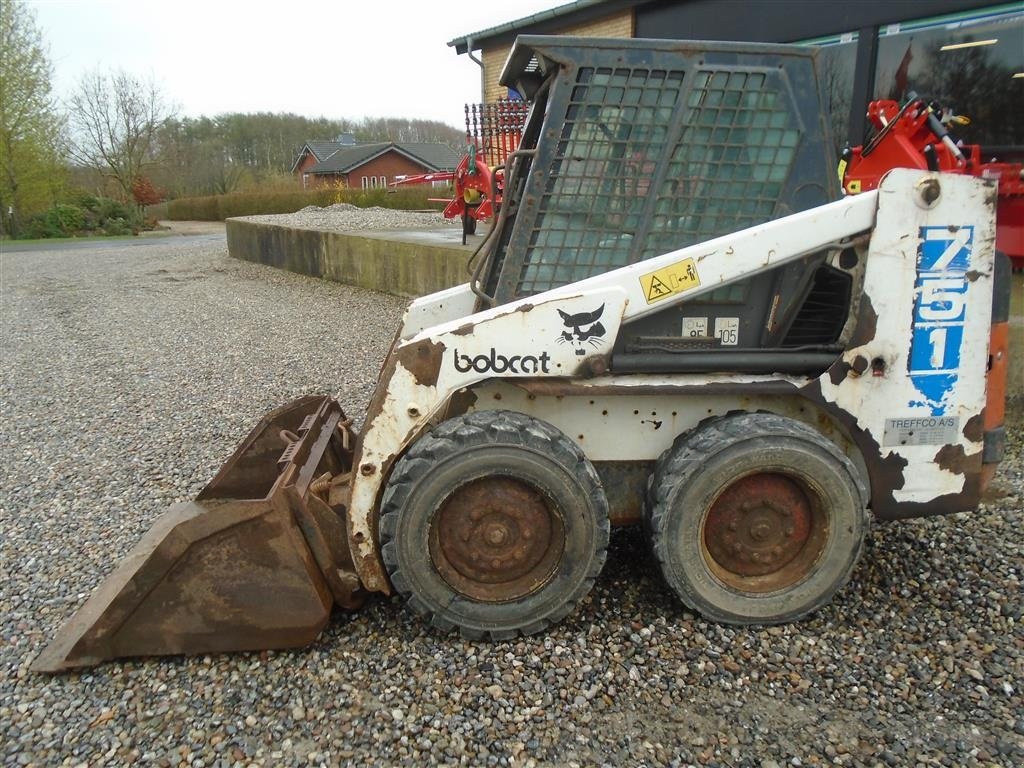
{"x":128,"y":375}
{"x":344,"y":217}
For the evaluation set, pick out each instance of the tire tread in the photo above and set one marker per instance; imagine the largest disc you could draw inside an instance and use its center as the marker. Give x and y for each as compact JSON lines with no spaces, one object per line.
{"x":685,"y":459}
{"x":482,"y":428}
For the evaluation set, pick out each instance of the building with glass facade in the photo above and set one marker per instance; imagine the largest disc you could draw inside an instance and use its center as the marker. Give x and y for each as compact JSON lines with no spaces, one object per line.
{"x":965,"y":54}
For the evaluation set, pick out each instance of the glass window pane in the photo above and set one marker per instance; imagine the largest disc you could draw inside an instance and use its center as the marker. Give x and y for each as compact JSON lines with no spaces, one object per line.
{"x":836,"y":63}
{"x":966,"y":63}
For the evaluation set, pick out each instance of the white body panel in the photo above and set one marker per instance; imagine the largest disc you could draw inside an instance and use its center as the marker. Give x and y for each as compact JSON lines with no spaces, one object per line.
{"x":441,"y":307}
{"x":569,"y":333}
{"x":929,"y":278}
{"x":637,"y":425}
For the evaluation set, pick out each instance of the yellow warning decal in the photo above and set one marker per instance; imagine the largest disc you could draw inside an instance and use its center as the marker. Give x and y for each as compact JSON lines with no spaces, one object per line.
{"x":670,"y":280}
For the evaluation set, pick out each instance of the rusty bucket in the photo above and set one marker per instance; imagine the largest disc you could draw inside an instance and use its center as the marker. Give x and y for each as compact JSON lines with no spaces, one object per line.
{"x":255,"y":562}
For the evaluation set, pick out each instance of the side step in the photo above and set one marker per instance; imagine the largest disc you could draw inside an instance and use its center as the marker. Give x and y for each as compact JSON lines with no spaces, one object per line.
{"x":255,"y":562}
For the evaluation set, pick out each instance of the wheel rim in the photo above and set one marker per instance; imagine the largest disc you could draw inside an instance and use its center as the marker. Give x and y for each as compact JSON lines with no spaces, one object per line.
{"x":496,"y":539}
{"x":764,"y":532}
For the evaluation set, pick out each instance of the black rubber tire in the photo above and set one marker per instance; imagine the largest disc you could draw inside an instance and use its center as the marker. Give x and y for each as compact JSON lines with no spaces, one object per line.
{"x":691,"y":475}
{"x":508,"y":445}
{"x":468,"y":223}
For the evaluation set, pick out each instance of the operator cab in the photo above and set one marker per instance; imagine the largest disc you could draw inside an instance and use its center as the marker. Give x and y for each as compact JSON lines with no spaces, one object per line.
{"x":633,"y":149}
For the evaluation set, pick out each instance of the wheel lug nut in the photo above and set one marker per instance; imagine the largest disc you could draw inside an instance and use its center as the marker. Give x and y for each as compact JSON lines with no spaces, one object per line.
{"x":733,"y":525}
{"x":757,"y":557}
{"x":495,"y":563}
{"x":789,"y":530}
{"x":475,"y":515}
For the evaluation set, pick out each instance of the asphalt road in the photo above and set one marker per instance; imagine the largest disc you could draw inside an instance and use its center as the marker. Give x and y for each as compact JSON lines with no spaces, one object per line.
{"x":103,"y":244}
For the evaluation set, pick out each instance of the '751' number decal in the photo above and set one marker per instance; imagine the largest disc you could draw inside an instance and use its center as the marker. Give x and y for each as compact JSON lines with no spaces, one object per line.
{"x":940,"y":310}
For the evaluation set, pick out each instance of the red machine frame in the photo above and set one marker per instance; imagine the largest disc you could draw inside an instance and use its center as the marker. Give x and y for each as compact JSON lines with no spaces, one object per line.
{"x":914,"y":137}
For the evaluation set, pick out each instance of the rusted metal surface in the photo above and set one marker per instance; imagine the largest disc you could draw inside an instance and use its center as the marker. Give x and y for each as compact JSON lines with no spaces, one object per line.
{"x":625,"y":483}
{"x":496,"y":539}
{"x":886,"y":469}
{"x":864,"y":331}
{"x":362,"y":519}
{"x":253,"y":563}
{"x":764,"y":532}
{"x":324,"y":531}
{"x":758,"y":524}
{"x":974,"y":429}
{"x":423,"y":361}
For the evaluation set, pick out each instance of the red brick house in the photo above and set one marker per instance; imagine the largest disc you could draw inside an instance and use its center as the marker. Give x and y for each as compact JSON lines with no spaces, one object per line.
{"x":368,"y":166}
{"x":313,"y":152}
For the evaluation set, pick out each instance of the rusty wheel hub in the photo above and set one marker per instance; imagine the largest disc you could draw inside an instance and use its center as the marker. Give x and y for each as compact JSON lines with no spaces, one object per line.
{"x":496,"y":539}
{"x":763,"y":533}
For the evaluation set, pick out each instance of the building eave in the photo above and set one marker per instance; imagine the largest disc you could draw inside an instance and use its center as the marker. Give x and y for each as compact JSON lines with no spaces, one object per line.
{"x":542,"y":22}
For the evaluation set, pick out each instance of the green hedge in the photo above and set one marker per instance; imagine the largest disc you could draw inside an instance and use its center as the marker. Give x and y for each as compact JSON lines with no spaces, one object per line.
{"x":85,"y":215}
{"x":220,"y":207}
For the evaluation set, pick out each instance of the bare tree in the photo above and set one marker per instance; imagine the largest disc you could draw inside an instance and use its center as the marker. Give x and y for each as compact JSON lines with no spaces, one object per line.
{"x":115,"y":119}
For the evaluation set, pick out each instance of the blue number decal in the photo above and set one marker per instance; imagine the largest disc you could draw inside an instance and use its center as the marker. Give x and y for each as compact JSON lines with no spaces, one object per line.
{"x":940,"y":310}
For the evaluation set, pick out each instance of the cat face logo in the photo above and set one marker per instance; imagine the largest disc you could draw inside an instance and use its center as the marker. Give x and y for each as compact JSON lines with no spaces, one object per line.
{"x":586,"y":329}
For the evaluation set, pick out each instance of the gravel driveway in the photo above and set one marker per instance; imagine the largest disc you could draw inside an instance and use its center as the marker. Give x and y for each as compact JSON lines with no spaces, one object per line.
{"x":128,"y":375}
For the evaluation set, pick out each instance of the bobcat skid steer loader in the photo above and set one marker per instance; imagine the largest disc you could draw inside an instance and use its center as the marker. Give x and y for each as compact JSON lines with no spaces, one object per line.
{"x":673,"y":321}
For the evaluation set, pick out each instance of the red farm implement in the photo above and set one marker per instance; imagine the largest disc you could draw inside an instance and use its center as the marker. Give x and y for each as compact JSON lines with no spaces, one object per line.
{"x":915,"y":136}
{"x":493,"y":132}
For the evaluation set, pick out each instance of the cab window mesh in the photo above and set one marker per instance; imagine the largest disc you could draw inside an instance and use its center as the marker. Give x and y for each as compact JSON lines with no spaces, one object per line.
{"x":615,"y":131}
{"x":729,"y":166}
{"x":648,"y":162}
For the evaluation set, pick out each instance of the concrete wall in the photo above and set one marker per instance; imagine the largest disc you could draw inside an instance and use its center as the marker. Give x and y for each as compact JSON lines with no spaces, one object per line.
{"x":401,"y":263}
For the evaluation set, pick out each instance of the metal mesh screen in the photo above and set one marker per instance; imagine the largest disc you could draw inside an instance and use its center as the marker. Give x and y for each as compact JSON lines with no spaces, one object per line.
{"x":615,"y":131}
{"x":727,"y":170}
{"x":644,"y":166}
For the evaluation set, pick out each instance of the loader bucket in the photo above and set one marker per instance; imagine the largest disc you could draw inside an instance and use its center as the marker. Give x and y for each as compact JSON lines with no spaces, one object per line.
{"x":255,"y":562}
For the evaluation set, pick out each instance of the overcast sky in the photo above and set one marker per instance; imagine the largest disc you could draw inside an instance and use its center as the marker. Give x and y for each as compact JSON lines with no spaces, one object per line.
{"x":338,"y":58}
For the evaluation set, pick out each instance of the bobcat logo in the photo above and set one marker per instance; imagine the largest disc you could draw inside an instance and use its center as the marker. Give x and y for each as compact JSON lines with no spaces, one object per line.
{"x":586,"y":329}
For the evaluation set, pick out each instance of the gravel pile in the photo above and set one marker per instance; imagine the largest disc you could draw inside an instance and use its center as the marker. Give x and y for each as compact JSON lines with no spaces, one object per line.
{"x":129,"y":375}
{"x":344,"y":217}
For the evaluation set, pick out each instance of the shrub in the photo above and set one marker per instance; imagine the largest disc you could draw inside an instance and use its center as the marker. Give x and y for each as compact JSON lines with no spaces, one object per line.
{"x":119,"y":226}
{"x":68,"y":218}
{"x":87,"y":214}
{"x":40,"y":226}
{"x":63,"y":220}
{"x":114,"y":209}
{"x":193,"y":209}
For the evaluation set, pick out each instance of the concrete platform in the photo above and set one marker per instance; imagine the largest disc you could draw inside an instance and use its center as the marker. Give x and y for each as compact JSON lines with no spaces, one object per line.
{"x":402,"y":262}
